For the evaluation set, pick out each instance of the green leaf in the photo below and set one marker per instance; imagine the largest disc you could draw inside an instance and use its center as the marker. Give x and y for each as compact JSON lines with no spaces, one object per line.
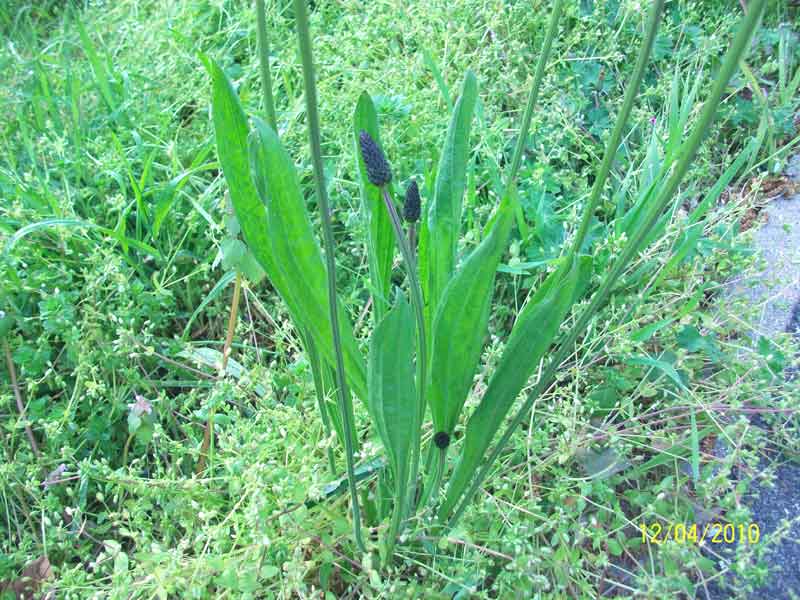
{"x":392,"y":397}
{"x":232,"y":253}
{"x":297,"y":269}
{"x":134,"y":422}
{"x":444,"y":212}
{"x":380,"y":243}
{"x":251,"y":268}
{"x":292,"y":261}
{"x":98,"y":69}
{"x":430,"y":62}
{"x":215,"y":291}
{"x":460,"y":324}
{"x":661,"y":365}
{"x":48,"y":223}
{"x":534,"y":331}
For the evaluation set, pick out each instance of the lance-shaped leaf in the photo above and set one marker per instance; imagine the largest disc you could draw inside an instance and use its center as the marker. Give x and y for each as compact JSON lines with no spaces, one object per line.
{"x":392,"y":395}
{"x":460,"y":324}
{"x":444,"y":212}
{"x":231,"y":131}
{"x":380,"y":242}
{"x":533,"y":333}
{"x":297,"y":259}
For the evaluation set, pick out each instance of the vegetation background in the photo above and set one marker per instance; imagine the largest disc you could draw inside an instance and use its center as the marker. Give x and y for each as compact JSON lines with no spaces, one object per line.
{"x":113,"y":224}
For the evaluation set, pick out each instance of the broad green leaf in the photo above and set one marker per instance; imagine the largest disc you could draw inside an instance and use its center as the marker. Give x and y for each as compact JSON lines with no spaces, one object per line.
{"x":303,"y":291}
{"x":380,"y":243}
{"x":233,"y":251}
{"x":444,"y":212}
{"x":534,"y":331}
{"x":392,"y":397}
{"x":251,"y":268}
{"x":460,"y":324}
{"x":298,"y":271}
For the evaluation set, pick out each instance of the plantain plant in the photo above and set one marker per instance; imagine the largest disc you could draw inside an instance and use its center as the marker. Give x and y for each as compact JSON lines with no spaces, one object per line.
{"x":425,"y":347}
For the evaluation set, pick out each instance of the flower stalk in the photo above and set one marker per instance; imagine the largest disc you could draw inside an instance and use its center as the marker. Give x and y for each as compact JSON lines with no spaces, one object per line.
{"x":304,"y":40}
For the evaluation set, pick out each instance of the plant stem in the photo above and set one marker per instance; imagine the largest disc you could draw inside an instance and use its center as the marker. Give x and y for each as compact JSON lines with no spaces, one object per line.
{"x":208,"y":434}
{"x":316,"y":375}
{"x":308,"y":341}
{"x":128,"y":441}
{"x":12,"y":372}
{"x":263,"y":55}
{"x":419,"y":313}
{"x":304,"y":39}
{"x":736,"y":51}
{"x":434,"y":480}
{"x":534,"y":93}
{"x":619,"y":127}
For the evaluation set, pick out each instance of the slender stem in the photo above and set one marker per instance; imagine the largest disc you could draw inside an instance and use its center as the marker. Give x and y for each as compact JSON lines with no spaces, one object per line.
{"x":308,"y":341}
{"x":304,"y":39}
{"x":619,"y":127}
{"x":434,"y":480}
{"x":208,"y":433}
{"x":735,"y":53}
{"x":316,"y":375}
{"x":18,"y":397}
{"x":263,"y":55}
{"x":419,"y":312}
{"x":534,"y":93}
{"x":125,"y":449}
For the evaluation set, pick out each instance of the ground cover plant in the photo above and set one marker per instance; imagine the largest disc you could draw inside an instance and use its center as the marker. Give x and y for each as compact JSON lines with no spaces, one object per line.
{"x":194,"y":459}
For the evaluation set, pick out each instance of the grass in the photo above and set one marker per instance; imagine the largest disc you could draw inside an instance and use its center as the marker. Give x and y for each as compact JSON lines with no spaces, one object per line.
{"x":112,"y":128}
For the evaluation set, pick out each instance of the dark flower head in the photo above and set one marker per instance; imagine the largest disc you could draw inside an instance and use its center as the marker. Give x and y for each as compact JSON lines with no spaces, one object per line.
{"x":378,"y":171}
{"x":441,"y":439}
{"x":412,"y":204}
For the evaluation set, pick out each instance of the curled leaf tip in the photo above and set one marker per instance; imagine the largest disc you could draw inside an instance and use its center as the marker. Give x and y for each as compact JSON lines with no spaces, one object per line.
{"x":379,"y":172}
{"x":411,"y":207}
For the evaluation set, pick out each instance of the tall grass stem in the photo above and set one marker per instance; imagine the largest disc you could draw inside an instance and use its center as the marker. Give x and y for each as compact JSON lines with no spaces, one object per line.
{"x":304,"y":40}
{"x":533,"y":96}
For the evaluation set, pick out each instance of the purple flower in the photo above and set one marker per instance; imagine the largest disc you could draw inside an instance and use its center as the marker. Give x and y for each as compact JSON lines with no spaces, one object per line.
{"x":141,"y":406}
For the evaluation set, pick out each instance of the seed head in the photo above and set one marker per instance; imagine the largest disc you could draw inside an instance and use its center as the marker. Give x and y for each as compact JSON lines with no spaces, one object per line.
{"x":412,"y":203}
{"x":441,"y":439}
{"x":378,"y":170}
